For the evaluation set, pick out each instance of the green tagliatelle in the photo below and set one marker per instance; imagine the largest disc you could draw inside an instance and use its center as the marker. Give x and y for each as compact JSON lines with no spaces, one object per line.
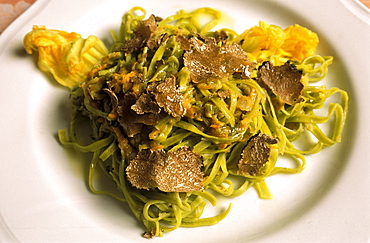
{"x":217,"y":127}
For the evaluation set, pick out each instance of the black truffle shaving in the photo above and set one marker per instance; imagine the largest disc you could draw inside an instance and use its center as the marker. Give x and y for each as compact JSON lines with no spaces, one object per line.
{"x":255,"y":155}
{"x":168,"y":96}
{"x":175,"y":171}
{"x":207,"y":61}
{"x":284,"y":81}
{"x":145,"y":104}
{"x":143,"y":31}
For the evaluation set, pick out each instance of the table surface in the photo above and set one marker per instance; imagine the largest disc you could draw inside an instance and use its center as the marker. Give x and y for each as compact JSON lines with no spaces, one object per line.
{"x":366,"y":2}
{"x":11,"y":9}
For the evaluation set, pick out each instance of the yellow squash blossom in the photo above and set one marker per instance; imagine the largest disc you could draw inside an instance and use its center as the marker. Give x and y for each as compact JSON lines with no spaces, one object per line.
{"x":262,"y":41}
{"x":67,"y":56}
{"x":265,"y":40}
{"x":299,"y":42}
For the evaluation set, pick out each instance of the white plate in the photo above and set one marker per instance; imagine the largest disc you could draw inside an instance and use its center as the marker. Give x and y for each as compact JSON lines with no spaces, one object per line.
{"x":43,"y":192}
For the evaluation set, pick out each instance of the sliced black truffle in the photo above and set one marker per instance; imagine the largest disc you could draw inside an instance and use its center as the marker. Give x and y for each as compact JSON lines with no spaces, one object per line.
{"x":127,"y":116}
{"x":184,"y":42}
{"x":145,"y":104}
{"x":142,"y":171}
{"x":175,"y":171}
{"x":130,"y":121}
{"x":207,"y":61}
{"x":113,"y":98}
{"x":168,"y":96}
{"x":182,"y":172}
{"x":221,"y":36}
{"x":284,"y":81}
{"x":143,"y":31}
{"x":255,"y":155}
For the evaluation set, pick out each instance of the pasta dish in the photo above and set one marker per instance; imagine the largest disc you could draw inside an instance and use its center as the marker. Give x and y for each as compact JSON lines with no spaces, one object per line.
{"x":181,"y":113}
